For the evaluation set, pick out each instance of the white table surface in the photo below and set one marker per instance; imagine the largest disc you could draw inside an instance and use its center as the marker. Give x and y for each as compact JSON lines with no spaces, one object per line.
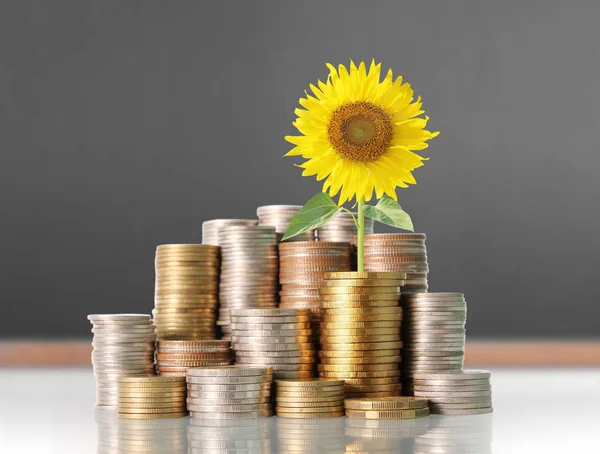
{"x":535,"y":411}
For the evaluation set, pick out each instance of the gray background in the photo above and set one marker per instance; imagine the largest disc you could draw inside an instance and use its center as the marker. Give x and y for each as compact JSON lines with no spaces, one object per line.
{"x":125,"y":124}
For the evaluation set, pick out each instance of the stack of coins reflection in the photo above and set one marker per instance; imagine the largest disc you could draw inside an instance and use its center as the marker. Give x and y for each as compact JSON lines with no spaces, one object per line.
{"x":403,"y":252}
{"x":229,"y":392}
{"x":249,"y":270}
{"x":187,"y":282}
{"x":400,"y":407}
{"x":278,"y":338}
{"x":456,"y":434}
{"x":434,"y":334}
{"x":210,"y":229}
{"x":310,"y":436}
{"x":123,"y":344}
{"x":460,"y":392}
{"x":316,"y":398}
{"x":279,"y":216}
{"x":342,"y":228}
{"x":151,"y":397}
{"x":245,"y":436}
{"x":383,"y":435}
{"x":173,"y":358}
{"x":360,"y":332}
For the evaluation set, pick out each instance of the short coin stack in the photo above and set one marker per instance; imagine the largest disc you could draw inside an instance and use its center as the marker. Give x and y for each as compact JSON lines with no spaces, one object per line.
{"x":316,"y":398}
{"x":387,"y":408}
{"x":360,"y":332}
{"x":278,"y":338}
{"x":433,"y":333}
{"x":173,"y":358}
{"x":151,"y":397}
{"x":210,"y":229}
{"x":249,"y":270}
{"x":229,"y":392}
{"x":213,"y":436}
{"x":342,"y":228}
{"x":123,"y":345}
{"x":279,"y":216}
{"x":187,"y":282}
{"x":403,"y":252}
{"x":461,"y":392}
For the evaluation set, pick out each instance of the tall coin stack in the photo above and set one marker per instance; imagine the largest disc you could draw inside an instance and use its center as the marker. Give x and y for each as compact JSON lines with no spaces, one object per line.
{"x":279,"y":216}
{"x":151,"y":397}
{"x":186,"y":293}
{"x":173,"y":358}
{"x":123,"y":344}
{"x":249,"y":270}
{"x":360,"y":332}
{"x":229,"y":392}
{"x":402,"y":252}
{"x":302,"y":399}
{"x":278,"y":338}
{"x":210,"y":229}
{"x":434,"y":334}
{"x":214,"y":436}
{"x":342,"y":228}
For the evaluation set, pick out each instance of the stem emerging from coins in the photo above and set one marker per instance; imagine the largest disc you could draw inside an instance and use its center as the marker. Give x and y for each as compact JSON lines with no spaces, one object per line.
{"x":361,"y":235}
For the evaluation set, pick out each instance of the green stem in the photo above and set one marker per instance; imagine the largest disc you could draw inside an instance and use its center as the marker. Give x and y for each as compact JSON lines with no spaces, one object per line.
{"x":361,"y":235}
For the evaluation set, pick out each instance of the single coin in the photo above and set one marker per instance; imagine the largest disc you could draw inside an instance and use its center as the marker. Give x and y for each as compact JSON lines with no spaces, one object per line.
{"x":386,"y":403}
{"x":317,"y":398}
{"x":365,"y":275}
{"x":304,"y":346}
{"x":228,"y":371}
{"x":293,"y":415}
{"x":358,"y":354}
{"x":358,"y":290}
{"x":359,"y":339}
{"x":372,"y":381}
{"x":151,"y":381}
{"x":474,"y":411}
{"x":310,"y":383}
{"x":175,"y":408}
{"x":240,"y":415}
{"x":329,"y":409}
{"x":118,"y":317}
{"x":467,"y":374}
{"x":362,"y":360}
{"x":388,"y":414}
{"x":219,"y":380}
{"x":330,"y":332}
{"x":229,"y":408}
{"x":354,"y":283}
{"x":451,"y":382}
{"x":329,"y":304}
{"x":360,"y":311}
{"x":357,"y":368}
{"x":256,"y":320}
{"x":460,"y":388}
{"x":363,"y":346}
{"x":248,"y":387}
{"x":180,"y":414}
{"x":126,"y":406}
{"x":452,"y":394}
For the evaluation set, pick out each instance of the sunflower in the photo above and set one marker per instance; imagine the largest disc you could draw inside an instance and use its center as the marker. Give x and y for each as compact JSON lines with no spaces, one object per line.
{"x":359,"y":133}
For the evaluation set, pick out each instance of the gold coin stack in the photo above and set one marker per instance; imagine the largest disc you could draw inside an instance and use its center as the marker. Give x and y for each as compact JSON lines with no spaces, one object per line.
{"x":400,"y":407}
{"x":360,"y":332}
{"x":400,"y":252}
{"x":278,"y":338}
{"x":210,"y":229}
{"x":310,"y":436}
{"x":173,"y":358}
{"x":307,"y":399}
{"x":186,"y":294}
{"x":215,"y":436}
{"x":151,"y":397}
{"x":280,"y":216}
{"x":229,"y":392}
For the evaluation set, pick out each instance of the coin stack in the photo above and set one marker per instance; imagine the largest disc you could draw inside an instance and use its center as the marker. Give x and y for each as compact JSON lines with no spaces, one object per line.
{"x":229,"y":392}
{"x":279,"y":216}
{"x":460,"y":392}
{"x":449,"y":434}
{"x":433,"y":333}
{"x":173,"y":358}
{"x":249,"y":270}
{"x":151,"y":397}
{"x":278,"y":338}
{"x":360,"y":332}
{"x":400,"y":407}
{"x":187,"y":282}
{"x":244,"y":436}
{"x":403,"y":252}
{"x":210,"y":229}
{"x":123,"y":344}
{"x":311,"y":436}
{"x":342,"y":228}
{"x":316,"y":398}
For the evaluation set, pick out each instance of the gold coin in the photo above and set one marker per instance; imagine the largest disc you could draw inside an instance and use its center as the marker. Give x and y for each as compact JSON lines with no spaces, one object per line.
{"x":365,"y":275}
{"x":308,"y":384}
{"x":359,"y":290}
{"x":150,"y":380}
{"x":325,"y":305}
{"x":391,"y":387}
{"x":346,"y":311}
{"x":152,"y":400}
{"x":329,"y":332}
{"x":361,"y":346}
{"x":180,"y":414}
{"x":292,"y":415}
{"x":174,"y":408}
{"x":309,"y":409}
{"x":386,"y":403}
{"x":388,"y":414}
{"x":358,"y":353}
{"x":317,"y":397}
{"x":362,"y":360}
{"x":356,"y":367}
{"x":372,"y":381}
{"x":361,"y":325}
{"x":125,"y":406}
{"x":353,"y":283}
{"x":357,"y":339}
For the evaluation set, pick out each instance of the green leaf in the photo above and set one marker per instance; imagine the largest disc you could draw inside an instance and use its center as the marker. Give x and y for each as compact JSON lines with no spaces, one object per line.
{"x":318,"y":211}
{"x":388,"y":211}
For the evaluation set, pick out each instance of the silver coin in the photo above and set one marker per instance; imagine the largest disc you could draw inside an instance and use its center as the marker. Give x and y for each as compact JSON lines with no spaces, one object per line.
{"x":467,"y":374}
{"x":274,"y":361}
{"x":119,"y":317}
{"x":452,"y":382}
{"x":230,"y":380}
{"x":474,"y":411}
{"x":451,"y":394}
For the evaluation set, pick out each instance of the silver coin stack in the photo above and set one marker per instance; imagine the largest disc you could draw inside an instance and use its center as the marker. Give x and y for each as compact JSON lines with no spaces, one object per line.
{"x":210,"y":229}
{"x":433,"y":334}
{"x":229,"y":392}
{"x":249,"y":270}
{"x":456,"y":435}
{"x":279,"y":216}
{"x":281,"y":339}
{"x":461,"y":392}
{"x":245,"y":436}
{"x":342,"y":228}
{"x":123,"y":344}
{"x":310,"y":436}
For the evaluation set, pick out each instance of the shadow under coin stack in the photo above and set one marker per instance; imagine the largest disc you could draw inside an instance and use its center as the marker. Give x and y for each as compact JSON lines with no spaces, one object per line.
{"x":123,"y":344}
{"x":152,"y":397}
{"x":229,"y":436}
{"x":173,"y":358}
{"x":278,"y":338}
{"x":210,"y":229}
{"x":249,"y":270}
{"x":460,"y":435}
{"x":187,"y":282}
{"x":229,"y":392}
{"x":402,"y":252}
{"x":279,"y":216}
{"x":360,"y":332}
{"x":310,"y":436}
{"x":400,"y":407}
{"x":434,"y":334}
{"x":460,"y":392}
{"x":307,"y":399}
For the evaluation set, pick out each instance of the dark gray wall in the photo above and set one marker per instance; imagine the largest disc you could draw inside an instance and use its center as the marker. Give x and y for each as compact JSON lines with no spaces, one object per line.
{"x":125,"y":124}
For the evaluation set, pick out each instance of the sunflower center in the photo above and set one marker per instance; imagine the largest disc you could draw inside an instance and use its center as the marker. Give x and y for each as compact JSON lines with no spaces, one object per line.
{"x":360,"y":131}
